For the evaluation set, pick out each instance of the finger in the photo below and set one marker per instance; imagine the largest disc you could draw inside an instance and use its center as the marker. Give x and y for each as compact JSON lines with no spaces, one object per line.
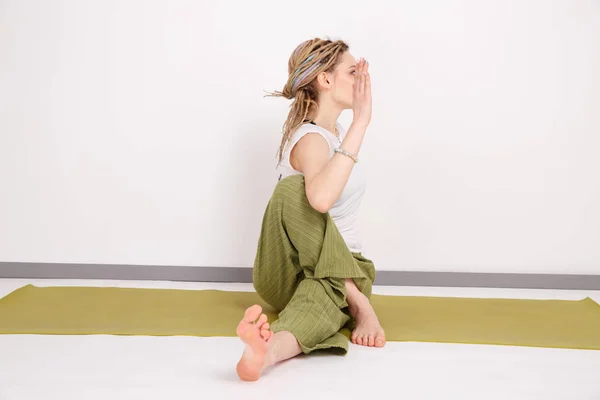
{"x":362,"y":84}
{"x":357,"y":72}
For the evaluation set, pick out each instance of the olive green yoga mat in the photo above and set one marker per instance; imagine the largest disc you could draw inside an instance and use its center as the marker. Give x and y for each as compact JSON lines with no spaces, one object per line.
{"x":157,"y":312}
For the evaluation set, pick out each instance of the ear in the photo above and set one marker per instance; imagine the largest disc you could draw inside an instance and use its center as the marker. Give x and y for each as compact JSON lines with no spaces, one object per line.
{"x":324,"y":80}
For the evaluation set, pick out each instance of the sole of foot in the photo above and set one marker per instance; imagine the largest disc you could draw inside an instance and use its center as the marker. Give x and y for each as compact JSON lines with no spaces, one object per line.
{"x":254,"y":331}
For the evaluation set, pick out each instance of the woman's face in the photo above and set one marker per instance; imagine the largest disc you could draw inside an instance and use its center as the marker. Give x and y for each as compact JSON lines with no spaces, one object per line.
{"x":343,"y":81}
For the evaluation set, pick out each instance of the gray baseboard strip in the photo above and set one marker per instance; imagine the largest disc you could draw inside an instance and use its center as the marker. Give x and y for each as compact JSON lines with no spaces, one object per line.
{"x":26,"y":270}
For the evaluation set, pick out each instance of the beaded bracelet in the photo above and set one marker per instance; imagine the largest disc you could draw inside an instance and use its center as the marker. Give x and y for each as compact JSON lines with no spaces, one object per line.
{"x":344,"y":152}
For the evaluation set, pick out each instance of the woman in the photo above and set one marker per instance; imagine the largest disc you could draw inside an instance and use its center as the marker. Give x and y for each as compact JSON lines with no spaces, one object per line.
{"x":309,"y":263}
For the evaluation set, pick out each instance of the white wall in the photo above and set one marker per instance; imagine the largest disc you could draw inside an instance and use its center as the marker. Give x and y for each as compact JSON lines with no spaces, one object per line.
{"x":137,"y":132}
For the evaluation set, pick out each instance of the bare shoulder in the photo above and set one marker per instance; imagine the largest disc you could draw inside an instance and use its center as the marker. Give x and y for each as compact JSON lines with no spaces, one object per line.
{"x":310,"y":154}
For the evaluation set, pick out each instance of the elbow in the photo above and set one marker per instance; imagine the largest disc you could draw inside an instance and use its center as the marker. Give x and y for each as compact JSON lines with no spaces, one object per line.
{"x":320,"y":204}
{"x":322,"y":208}
{"x":318,"y":197}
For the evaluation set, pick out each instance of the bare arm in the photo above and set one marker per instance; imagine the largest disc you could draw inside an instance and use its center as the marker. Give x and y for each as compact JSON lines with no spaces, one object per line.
{"x":326,"y":178}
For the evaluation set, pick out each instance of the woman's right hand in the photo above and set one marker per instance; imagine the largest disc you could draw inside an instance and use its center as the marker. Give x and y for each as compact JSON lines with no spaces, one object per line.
{"x":361,"y":102}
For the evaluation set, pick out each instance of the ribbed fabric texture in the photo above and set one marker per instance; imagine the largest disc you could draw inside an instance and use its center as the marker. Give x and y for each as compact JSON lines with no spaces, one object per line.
{"x":300,"y":267}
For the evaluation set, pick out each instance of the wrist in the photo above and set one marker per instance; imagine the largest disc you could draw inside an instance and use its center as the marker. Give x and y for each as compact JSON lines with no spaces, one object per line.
{"x":358,"y":124}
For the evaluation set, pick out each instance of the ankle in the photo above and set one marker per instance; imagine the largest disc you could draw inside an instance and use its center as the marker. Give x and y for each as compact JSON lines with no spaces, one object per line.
{"x":282,"y":345}
{"x":360,"y":303}
{"x":269,"y":359}
{"x":357,"y":300}
{"x":352,"y":290}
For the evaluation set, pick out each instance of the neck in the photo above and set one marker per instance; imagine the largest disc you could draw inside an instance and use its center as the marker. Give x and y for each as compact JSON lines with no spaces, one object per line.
{"x":327,"y":116}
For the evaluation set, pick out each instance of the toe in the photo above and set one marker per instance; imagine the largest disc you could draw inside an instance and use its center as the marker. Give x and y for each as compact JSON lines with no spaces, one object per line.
{"x":268,"y":336}
{"x":371,"y":341}
{"x":265,"y":334}
{"x":261,"y":321}
{"x":359,"y":340}
{"x":252,"y":313}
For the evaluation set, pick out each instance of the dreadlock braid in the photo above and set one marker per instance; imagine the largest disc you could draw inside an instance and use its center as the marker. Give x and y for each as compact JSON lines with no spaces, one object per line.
{"x":307,"y":61}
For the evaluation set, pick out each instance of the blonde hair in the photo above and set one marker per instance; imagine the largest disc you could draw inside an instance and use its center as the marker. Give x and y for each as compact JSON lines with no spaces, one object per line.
{"x":308,"y":60}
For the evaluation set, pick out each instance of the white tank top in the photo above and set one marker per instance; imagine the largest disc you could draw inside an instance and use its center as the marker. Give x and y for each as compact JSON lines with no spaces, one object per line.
{"x":345,"y":210}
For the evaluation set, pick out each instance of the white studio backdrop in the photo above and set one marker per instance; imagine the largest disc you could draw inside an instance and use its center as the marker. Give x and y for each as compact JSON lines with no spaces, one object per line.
{"x":136,"y":132}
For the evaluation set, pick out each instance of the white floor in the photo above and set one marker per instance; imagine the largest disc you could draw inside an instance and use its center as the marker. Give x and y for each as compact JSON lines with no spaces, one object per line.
{"x":109,"y":367}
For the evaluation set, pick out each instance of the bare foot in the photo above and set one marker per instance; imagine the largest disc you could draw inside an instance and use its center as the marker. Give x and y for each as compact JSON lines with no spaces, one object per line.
{"x":254,"y":331}
{"x":368,"y":331}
